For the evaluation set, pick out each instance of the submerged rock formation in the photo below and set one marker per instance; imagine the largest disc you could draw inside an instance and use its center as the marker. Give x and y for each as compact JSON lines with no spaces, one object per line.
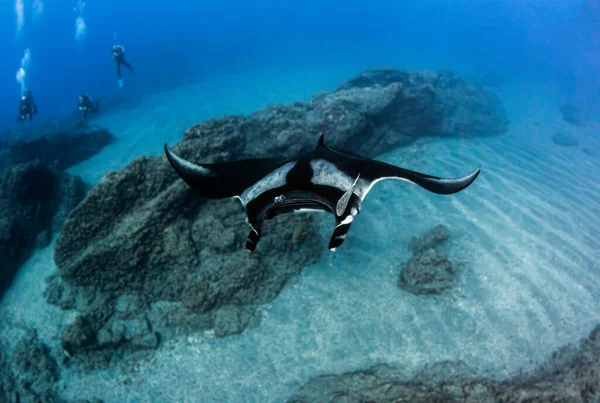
{"x":429,"y":271}
{"x":564,"y":140}
{"x":30,"y":375}
{"x":36,"y":195}
{"x":143,"y":234}
{"x":62,"y":150}
{"x":34,"y":201}
{"x":575,"y":115}
{"x":571,"y":375}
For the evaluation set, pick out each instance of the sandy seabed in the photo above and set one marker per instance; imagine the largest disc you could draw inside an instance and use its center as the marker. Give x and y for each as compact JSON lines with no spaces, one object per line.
{"x":528,"y":232}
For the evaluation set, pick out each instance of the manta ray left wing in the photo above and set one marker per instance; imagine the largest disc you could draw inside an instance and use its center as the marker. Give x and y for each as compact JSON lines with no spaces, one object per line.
{"x":228,"y":179}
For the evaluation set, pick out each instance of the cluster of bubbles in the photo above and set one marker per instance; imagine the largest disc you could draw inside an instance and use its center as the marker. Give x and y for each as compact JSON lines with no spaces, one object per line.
{"x":20,"y":13}
{"x":37,"y":9}
{"x":22,"y":72}
{"x":80,"y":27}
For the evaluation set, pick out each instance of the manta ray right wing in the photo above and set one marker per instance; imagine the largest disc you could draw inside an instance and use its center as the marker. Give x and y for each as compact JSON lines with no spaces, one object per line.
{"x":374,"y":171}
{"x":228,"y":179}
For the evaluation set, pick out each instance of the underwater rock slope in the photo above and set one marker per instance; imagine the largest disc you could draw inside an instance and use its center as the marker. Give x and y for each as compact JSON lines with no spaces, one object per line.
{"x":31,"y":374}
{"x":141,"y":235}
{"x":36,"y":195}
{"x":64,"y":149}
{"x":571,"y":375}
{"x":34,"y":201}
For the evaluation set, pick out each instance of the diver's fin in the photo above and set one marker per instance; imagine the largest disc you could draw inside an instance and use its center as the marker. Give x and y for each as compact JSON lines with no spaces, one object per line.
{"x":340,"y":231}
{"x":343,"y":202}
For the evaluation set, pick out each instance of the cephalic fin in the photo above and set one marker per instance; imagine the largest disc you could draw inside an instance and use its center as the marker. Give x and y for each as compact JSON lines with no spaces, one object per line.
{"x":342,"y":204}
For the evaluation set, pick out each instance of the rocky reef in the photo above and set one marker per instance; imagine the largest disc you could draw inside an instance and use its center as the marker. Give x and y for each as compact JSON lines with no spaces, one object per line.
{"x":62,"y":150}
{"x":564,"y":140}
{"x":34,"y":201}
{"x":575,"y":115}
{"x":36,"y":195}
{"x":571,"y":375}
{"x":429,"y":271}
{"x":142,"y":258}
{"x":31,"y":374}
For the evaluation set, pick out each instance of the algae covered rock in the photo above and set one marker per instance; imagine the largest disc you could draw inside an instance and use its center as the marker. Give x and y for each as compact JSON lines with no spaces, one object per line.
{"x":571,"y":375}
{"x":62,"y":150}
{"x":143,"y":232}
{"x":34,"y":201}
{"x":575,"y":115}
{"x":429,"y":271}
{"x":564,"y":140}
{"x":30,"y":374}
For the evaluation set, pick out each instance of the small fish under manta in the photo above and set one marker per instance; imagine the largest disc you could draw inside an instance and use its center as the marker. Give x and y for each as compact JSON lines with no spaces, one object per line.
{"x":326,"y":179}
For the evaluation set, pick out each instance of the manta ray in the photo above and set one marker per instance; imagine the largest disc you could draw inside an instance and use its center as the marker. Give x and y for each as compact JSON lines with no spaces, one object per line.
{"x":326,"y":179}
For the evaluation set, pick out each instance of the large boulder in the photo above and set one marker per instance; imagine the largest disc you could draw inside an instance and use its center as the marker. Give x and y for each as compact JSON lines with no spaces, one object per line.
{"x":144,"y":233}
{"x":34,"y":201}
{"x":575,"y":115}
{"x":571,"y":375}
{"x":429,"y":271}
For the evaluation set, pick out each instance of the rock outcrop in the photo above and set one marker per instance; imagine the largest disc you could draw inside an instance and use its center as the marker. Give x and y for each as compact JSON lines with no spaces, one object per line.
{"x":31,"y":374}
{"x":571,"y":375}
{"x":564,"y":140}
{"x":64,"y":149}
{"x":429,"y":271}
{"x":36,"y":196}
{"x":575,"y":115}
{"x":141,"y":232}
{"x":34,"y":201}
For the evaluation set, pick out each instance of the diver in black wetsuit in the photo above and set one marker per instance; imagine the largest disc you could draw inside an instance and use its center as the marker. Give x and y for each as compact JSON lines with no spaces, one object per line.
{"x":27,"y":107}
{"x":86,"y":105}
{"x":118,"y":54}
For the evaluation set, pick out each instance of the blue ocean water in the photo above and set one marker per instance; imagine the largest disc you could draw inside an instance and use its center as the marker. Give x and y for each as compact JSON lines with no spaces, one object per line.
{"x":529,"y":232}
{"x":176,"y":43}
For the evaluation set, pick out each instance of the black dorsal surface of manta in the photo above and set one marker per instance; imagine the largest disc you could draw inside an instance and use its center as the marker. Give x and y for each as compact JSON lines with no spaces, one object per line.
{"x":326,"y":179}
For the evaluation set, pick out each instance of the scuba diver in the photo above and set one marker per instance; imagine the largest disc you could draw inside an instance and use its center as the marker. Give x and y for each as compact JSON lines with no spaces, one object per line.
{"x":27,"y":107}
{"x":118,"y":54}
{"x":86,"y":105}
